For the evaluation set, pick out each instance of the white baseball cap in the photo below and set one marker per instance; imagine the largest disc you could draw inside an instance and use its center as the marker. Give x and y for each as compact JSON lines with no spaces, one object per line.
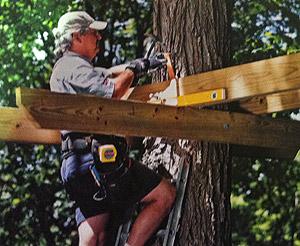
{"x":77,"y":20}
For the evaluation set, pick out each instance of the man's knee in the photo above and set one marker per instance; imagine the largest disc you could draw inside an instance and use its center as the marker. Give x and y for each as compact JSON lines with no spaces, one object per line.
{"x":88,"y":238}
{"x":93,"y":230}
{"x":163,"y":195}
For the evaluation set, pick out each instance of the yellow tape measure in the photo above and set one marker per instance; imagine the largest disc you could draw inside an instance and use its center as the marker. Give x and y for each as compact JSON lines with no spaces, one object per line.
{"x":107,"y":153}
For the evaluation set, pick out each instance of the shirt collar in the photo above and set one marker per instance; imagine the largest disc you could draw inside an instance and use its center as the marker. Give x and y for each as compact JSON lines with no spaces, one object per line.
{"x":72,"y":53}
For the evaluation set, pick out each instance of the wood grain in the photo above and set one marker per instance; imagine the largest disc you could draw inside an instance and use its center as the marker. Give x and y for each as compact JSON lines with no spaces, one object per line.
{"x":16,"y":127}
{"x":261,"y":152}
{"x":272,"y":103}
{"x":99,"y":115}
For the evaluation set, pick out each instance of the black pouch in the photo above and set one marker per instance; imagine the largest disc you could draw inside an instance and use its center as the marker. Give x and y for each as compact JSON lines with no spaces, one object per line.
{"x":109,"y":153}
{"x":109,"y":164}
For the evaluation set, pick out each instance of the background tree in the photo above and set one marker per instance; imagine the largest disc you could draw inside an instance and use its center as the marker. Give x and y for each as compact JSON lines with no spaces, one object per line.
{"x":198,"y":33}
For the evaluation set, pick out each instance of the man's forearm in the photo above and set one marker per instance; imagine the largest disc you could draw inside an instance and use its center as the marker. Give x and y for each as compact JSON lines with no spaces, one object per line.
{"x":117,"y":70}
{"x":122,"y":83}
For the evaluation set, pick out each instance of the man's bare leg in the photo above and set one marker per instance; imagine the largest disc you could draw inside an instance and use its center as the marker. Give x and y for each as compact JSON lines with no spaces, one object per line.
{"x":92,"y":230}
{"x":157,"y":205}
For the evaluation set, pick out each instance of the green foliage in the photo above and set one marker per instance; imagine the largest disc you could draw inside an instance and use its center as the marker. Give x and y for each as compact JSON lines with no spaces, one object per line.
{"x":34,"y":206}
{"x":264,"y":29}
{"x":265,"y":195}
{"x":27,"y":43}
{"x":265,"y":202}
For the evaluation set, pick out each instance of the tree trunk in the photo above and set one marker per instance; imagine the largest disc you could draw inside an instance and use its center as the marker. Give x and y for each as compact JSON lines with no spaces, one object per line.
{"x":197,"y":32}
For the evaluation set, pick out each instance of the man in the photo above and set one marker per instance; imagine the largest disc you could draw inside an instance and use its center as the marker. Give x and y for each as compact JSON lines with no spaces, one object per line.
{"x":98,"y":187}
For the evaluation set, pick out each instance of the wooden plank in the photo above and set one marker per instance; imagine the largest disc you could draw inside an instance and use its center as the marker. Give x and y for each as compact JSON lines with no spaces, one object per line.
{"x":142,"y":93}
{"x":16,"y":127}
{"x":100,"y":115}
{"x":260,"y":152}
{"x":272,"y":103}
{"x":269,"y":104}
{"x":243,"y":81}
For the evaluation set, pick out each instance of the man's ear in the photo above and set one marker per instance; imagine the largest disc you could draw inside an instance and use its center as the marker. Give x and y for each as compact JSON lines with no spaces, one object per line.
{"x":77,"y":37}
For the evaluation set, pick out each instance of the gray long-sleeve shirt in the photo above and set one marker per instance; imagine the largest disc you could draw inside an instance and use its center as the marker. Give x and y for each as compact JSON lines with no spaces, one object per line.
{"x":75,"y":74}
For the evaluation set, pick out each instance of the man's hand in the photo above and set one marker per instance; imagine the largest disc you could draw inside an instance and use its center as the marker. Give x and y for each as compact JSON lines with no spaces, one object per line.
{"x":157,"y":61}
{"x":139,"y":67}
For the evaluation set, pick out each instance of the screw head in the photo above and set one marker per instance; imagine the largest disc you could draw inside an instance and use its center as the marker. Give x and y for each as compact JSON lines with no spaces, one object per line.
{"x":226,"y":126}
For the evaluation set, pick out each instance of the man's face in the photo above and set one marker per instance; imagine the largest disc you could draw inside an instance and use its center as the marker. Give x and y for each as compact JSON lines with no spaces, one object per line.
{"x":89,"y":43}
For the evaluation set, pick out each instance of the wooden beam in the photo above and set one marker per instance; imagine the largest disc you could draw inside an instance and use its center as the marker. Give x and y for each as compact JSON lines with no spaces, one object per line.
{"x":100,"y":115}
{"x":272,"y":103}
{"x":243,"y":81}
{"x":16,"y":127}
{"x":261,"y":152}
{"x":269,"y":104}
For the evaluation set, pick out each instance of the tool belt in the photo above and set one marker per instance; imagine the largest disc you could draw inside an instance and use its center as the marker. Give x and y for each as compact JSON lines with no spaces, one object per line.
{"x":109,"y":155}
{"x":81,"y":143}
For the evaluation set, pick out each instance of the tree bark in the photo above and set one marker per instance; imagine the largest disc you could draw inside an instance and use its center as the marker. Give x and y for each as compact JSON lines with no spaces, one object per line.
{"x":197,"y":32}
